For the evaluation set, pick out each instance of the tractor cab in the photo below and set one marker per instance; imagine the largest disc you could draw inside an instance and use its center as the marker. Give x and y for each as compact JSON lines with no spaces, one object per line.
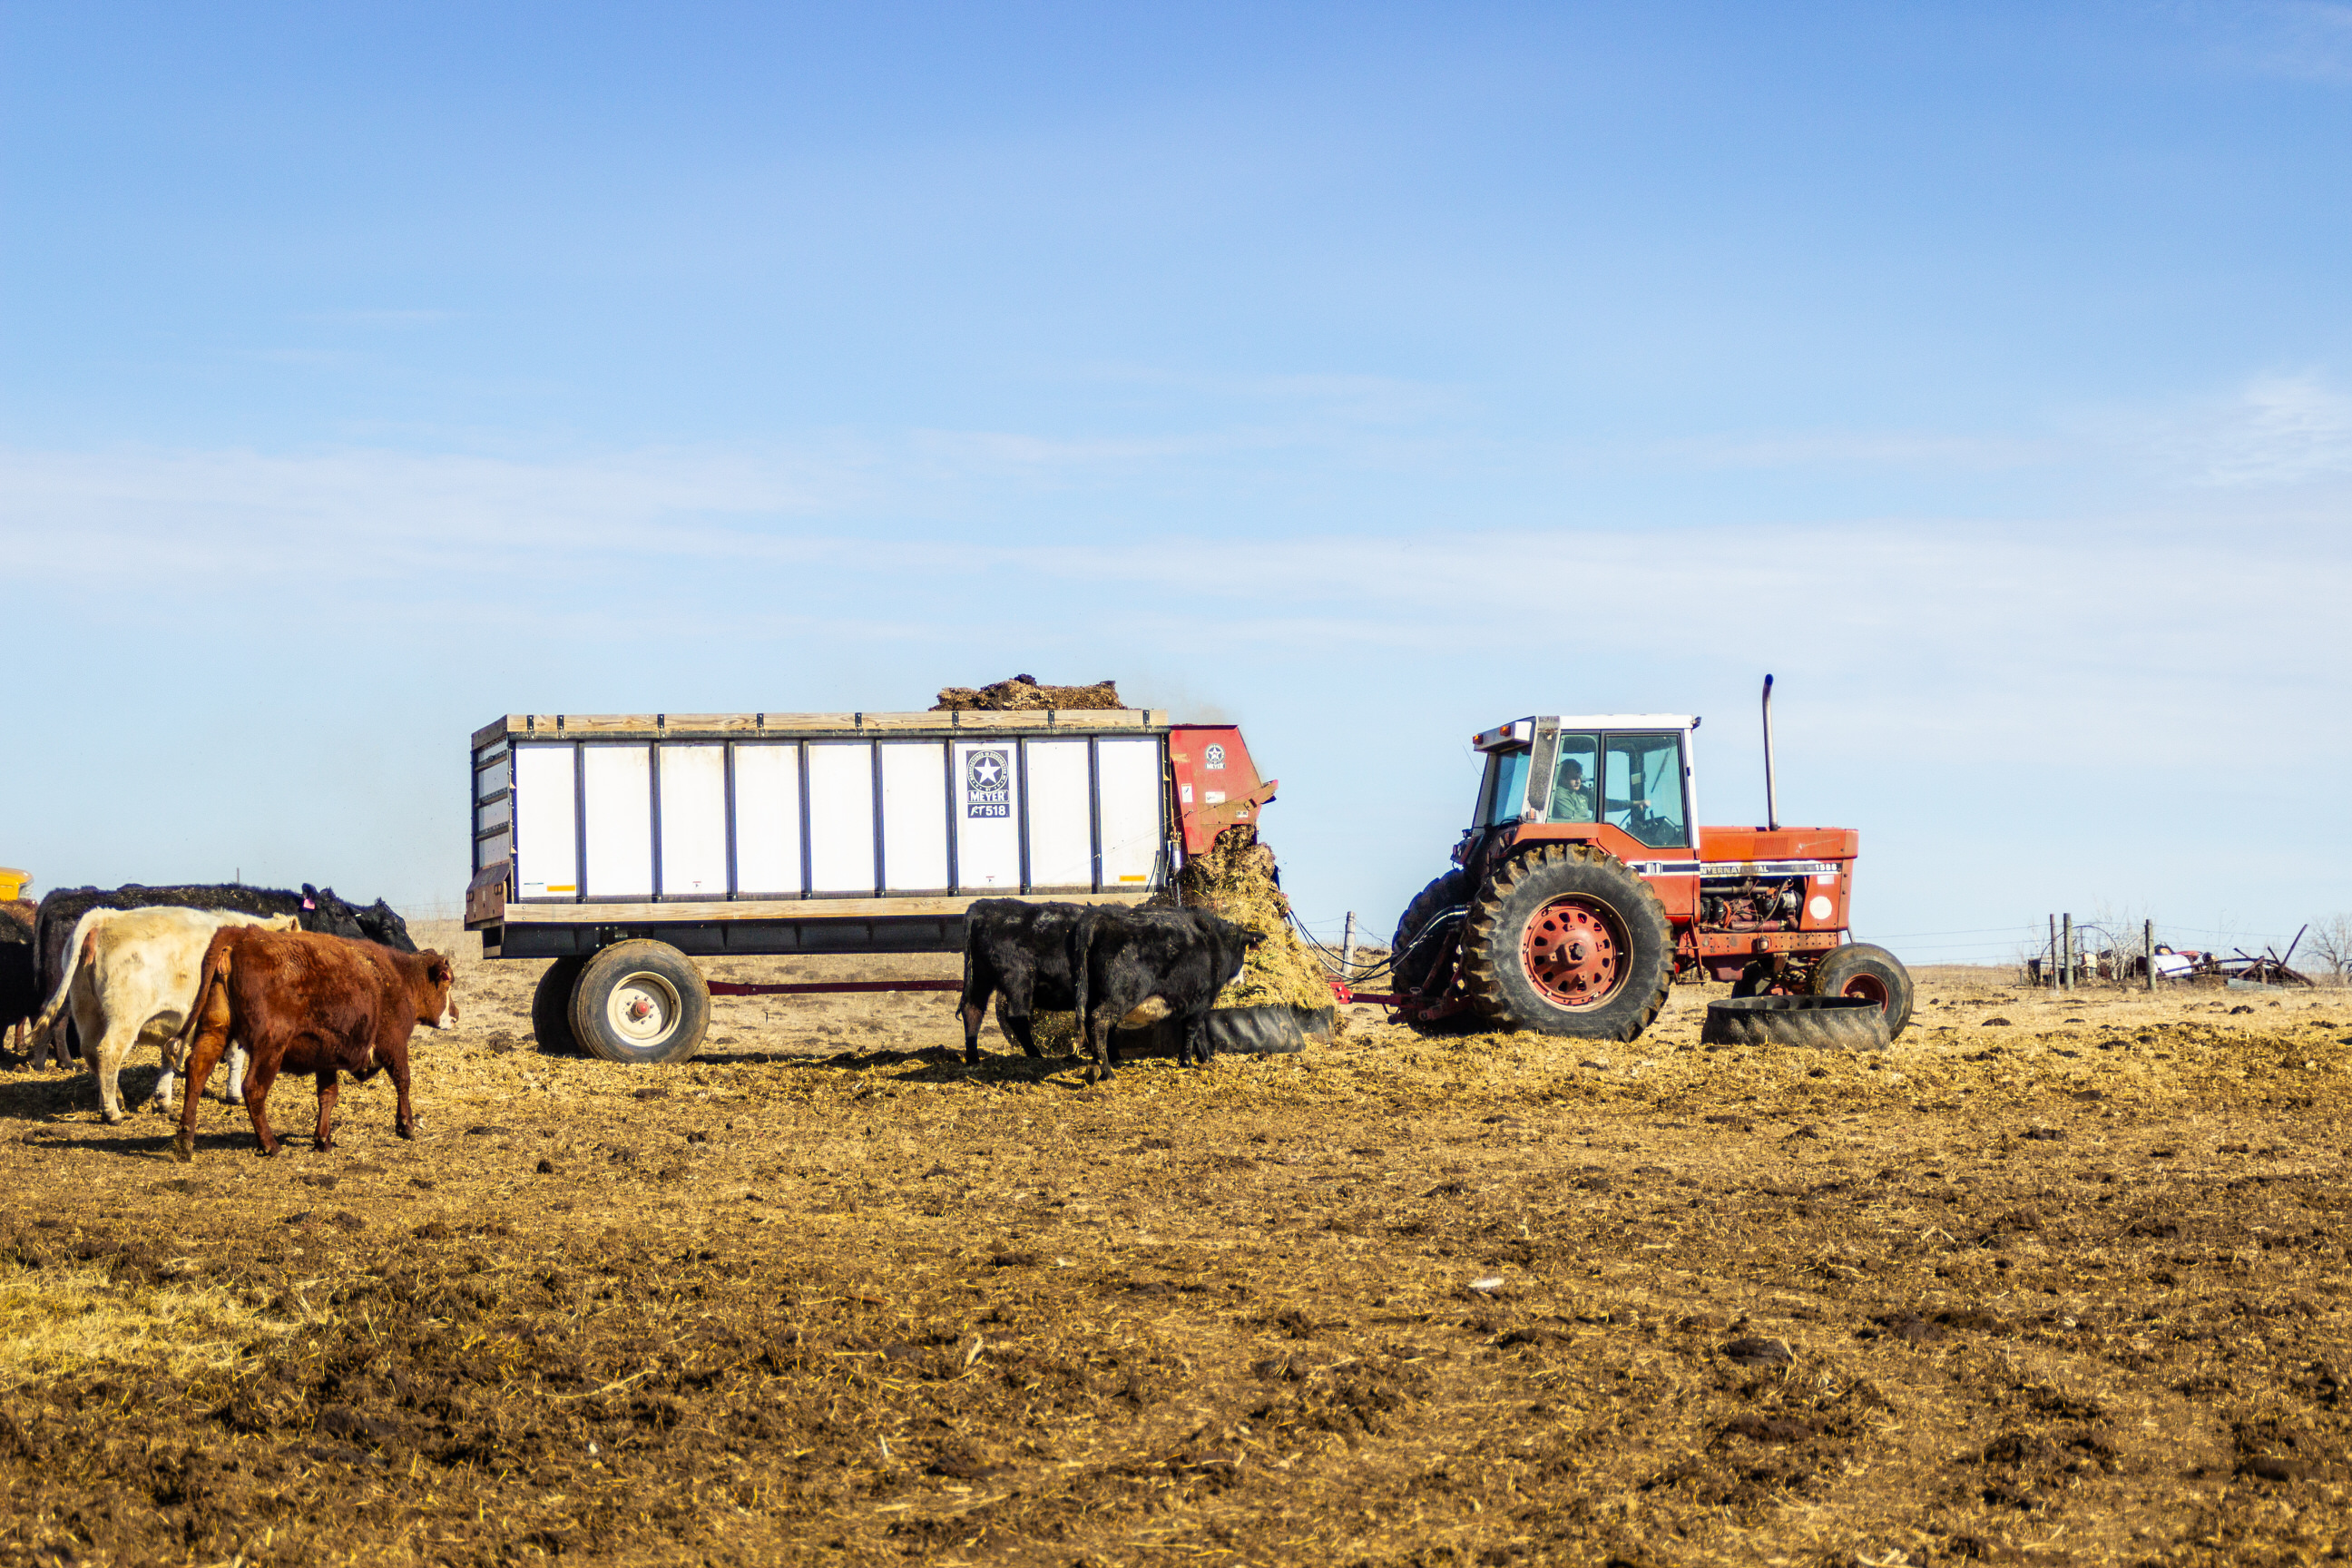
{"x":1626,"y":778}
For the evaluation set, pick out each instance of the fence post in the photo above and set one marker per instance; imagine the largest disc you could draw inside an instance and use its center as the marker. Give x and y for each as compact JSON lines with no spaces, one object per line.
{"x":2066,"y":935}
{"x":1347,"y":949}
{"x":2051,"y":977}
{"x":2148,"y":941}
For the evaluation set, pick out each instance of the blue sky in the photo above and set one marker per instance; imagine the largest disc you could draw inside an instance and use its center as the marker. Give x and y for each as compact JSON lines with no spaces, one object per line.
{"x":1367,"y":376}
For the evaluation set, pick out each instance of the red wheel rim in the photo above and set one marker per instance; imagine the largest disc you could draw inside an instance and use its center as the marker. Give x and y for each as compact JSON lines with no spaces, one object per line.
{"x":1870,"y":987}
{"x":1574,"y":952}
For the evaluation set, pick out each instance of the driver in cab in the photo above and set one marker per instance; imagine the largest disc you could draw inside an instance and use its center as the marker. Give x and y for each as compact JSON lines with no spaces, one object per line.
{"x":1571,"y":797}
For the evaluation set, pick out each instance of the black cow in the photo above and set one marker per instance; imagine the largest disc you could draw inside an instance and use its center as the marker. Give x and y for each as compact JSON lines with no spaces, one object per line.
{"x":1018,"y":952}
{"x":1130,"y":968}
{"x":317,"y":909}
{"x":20,"y":990}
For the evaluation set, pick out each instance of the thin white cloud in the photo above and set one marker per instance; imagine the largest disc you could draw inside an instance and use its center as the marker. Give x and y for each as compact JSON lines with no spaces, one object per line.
{"x":2282,"y":430}
{"x":1850,"y":449}
{"x":2304,"y":40}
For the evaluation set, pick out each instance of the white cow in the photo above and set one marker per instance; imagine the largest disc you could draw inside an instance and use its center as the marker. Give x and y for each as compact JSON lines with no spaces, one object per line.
{"x":130,"y":975}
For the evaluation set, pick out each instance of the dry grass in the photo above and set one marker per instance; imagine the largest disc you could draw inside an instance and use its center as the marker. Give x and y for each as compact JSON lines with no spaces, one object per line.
{"x":64,"y":1321}
{"x":2065,"y":1289}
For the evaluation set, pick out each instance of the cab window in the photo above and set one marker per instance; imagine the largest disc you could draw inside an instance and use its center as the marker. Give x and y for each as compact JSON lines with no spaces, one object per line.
{"x":1641,"y":789}
{"x":1500,"y":800}
{"x":1573,"y":776}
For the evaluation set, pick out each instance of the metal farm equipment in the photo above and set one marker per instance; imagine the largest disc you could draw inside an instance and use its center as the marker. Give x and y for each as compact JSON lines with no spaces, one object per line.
{"x":626,"y":846}
{"x":1581,"y":890}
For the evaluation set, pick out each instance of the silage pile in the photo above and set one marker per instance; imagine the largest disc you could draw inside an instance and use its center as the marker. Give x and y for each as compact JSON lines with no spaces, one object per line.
{"x":1234,"y":877}
{"x":1022,"y":694}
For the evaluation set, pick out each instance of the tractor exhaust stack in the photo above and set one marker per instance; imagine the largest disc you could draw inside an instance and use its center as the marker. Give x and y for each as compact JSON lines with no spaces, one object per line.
{"x":1771,"y":800}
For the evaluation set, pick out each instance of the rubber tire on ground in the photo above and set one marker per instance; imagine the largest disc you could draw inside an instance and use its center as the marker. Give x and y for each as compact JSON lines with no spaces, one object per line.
{"x":1494,"y":972}
{"x":1450,"y":891}
{"x":1842,"y":966}
{"x":551,"y":1008}
{"x":655,"y":970}
{"x":1272,"y":1031}
{"x":1819,"y":1022}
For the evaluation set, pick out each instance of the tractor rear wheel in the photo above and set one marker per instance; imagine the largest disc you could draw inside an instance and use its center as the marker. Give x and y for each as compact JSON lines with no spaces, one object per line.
{"x":1568,"y":941}
{"x":1409,"y":966}
{"x":1859,"y":969}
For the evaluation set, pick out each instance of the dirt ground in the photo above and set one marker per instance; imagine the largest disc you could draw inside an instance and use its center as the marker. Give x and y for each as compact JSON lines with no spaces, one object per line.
{"x":2052,"y":1281}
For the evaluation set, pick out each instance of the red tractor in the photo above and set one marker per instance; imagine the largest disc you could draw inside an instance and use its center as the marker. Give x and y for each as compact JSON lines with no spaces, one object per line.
{"x":1582,"y":890}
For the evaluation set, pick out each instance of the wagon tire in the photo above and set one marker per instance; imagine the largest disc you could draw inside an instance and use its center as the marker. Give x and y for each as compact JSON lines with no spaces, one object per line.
{"x":1568,"y":941}
{"x":1860,"y":969}
{"x":640,"y":1001}
{"x":551,"y":1008}
{"x":1816,"y":1022}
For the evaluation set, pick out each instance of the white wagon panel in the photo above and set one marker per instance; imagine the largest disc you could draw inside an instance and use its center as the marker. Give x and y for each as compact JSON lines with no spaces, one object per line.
{"x":840,"y":816}
{"x":987,"y":818}
{"x":694,"y":821}
{"x":914,"y":817}
{"x":1061,"y":820}
{"x":546,"y":846}
{"x":768,"y":819}
{"x":1129,"y":789}
{"x":620,"y":820}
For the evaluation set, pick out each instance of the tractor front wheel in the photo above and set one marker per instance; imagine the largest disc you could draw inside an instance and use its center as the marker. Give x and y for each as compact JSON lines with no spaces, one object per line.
{"x":1871,"y":973}
{"x":1410,"y":960}
{"x":1568,"y":941}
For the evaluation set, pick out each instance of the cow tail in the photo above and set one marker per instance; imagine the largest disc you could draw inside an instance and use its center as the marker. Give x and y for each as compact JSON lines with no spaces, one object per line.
{"x":1082,"y":939}
{"x":85,"y":936}
{"x":964,"y":1000}
{"x":215,"y":976}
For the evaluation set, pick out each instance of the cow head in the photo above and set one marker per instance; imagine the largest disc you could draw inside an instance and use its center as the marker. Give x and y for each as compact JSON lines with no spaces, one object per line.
{"x":383,"y":924}
{"x":436,"y":1008}
{"x":336,"y":917}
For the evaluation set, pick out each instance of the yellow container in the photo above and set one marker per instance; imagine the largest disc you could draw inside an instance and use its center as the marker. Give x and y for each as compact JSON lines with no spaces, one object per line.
{"x":11,"y":883}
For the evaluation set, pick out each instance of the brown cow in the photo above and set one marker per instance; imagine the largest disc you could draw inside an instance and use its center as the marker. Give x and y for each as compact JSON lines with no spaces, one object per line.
{"x":307,"y":1003}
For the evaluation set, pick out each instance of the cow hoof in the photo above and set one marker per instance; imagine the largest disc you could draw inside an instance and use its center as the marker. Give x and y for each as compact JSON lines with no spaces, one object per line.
{"x":184,"y":1151}
{"x":408,"y":1132}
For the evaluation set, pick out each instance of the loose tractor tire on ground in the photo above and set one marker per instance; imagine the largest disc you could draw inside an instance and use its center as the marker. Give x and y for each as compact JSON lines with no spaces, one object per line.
{"x":1580,"y":892}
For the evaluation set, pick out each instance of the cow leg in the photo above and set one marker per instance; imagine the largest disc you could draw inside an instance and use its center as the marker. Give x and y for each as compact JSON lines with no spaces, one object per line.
{"x":256,"y":1097}
{"x":204,"y":1054}
{"x":973,"y":1015}
{"x":106,"y":1060}
{"x":1100,"y":1025}
{"x":328,"y":1088}
{"x":1195,"y":1041}
{"x":1019,"y":1028}
{"x":404,"y":1116}
{"x":233,"y":1081}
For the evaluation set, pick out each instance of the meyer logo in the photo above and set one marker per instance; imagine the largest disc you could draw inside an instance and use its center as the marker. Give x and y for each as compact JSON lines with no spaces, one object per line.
{"x":1213,"y":759}
{"x":987,"y":783}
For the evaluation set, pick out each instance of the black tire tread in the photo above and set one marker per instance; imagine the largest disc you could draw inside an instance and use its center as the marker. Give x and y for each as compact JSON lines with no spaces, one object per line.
{"x":1838,"y":963}
{"x":1485,"y":948}
{"x":1816,"y":1022}
{"x":1446,"y":893}
{"x":551,"y":1008}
